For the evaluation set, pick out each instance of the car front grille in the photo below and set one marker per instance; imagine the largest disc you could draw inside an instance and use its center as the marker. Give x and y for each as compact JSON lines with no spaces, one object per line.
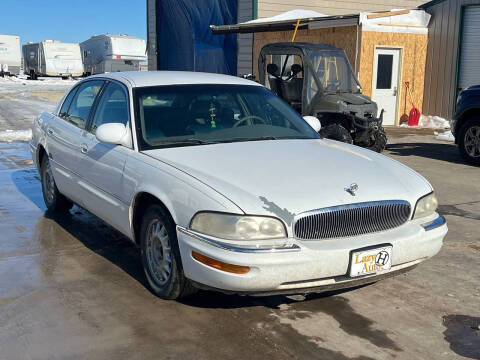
{"x":351,"y":220}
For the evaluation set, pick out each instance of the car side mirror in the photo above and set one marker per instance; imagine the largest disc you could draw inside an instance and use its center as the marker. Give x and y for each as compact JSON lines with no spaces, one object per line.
{"x":313,"y":122}
{"x":114,"y":133}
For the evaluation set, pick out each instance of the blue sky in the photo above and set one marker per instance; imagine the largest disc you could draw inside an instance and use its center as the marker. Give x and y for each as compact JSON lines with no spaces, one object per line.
{"x":72,"y":20}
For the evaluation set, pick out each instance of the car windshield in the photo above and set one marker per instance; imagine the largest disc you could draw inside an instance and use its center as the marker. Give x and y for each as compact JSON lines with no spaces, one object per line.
{"x":333,"y":71}
{"x":183,"y":115}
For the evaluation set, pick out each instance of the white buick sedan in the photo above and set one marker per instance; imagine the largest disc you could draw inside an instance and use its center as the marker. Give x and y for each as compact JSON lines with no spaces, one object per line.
{"x":223,"y":186}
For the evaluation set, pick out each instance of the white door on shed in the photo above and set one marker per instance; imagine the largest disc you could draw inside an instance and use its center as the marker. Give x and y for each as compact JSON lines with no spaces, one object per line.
{"x":385,"y":82}
{"x":469,"y":72}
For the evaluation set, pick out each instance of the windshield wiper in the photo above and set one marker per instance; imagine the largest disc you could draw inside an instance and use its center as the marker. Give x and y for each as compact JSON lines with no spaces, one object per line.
{"x":186,"y":142}
{"x":250,"y":139}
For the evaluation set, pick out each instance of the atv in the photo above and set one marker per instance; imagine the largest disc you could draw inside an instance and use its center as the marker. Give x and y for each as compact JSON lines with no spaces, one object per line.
{"x":317,"y":80}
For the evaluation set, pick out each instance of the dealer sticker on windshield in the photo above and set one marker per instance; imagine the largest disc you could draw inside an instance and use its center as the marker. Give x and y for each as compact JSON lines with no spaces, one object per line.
{"x":367,"y":262}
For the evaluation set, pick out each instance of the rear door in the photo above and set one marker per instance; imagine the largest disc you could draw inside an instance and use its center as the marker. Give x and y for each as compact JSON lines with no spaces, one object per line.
{"x":65,"y":134}
{"x":101,"y":164}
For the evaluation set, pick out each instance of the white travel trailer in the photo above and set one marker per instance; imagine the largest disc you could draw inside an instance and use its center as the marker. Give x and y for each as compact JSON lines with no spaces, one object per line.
{"x":10,"y":57}
{"x":112,"y":53}
{"x":52,"y":58}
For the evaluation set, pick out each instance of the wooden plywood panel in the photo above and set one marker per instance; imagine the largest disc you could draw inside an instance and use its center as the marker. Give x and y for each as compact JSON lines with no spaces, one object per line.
{"x":414,"y":49}
{"x":342,"y":37}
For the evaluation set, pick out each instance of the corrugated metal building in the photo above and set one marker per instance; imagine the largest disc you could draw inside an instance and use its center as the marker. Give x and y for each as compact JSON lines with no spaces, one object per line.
{"x":453,"y":55}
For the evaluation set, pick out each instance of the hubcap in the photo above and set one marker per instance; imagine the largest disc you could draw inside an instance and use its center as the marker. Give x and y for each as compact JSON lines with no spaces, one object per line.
{"x":472,"y":141}
{"x":49,"y":184}
{"x":159,"y":252}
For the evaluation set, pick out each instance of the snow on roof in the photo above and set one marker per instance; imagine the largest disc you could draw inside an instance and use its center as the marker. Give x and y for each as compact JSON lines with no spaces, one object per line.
{"x":399,"y":20}
{"x":288,"y":16}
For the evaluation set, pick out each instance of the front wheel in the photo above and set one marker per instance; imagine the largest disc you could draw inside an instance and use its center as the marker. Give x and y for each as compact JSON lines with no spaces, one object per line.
{"x":379,"y":140}
{"x":336,"y":132}
{"x":53,"y":199}
{"x":469,"y":141}
{"x":161,"y":256}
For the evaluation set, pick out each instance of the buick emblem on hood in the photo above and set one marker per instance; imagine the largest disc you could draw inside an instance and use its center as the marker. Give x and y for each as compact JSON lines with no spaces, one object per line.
{"x":352,"y":189}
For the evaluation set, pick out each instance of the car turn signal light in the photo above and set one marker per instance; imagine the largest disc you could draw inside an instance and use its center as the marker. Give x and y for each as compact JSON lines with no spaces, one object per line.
{"x":220,"y":265}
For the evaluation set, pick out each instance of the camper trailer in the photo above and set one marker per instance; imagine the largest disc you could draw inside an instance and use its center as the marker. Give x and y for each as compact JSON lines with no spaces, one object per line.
{"x":52,"y":58}
{"x":10,"y":57}
{"x":111,"y":53}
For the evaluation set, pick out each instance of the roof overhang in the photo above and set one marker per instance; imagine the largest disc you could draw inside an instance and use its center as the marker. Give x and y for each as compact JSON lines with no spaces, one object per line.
{"x":287,"y":25}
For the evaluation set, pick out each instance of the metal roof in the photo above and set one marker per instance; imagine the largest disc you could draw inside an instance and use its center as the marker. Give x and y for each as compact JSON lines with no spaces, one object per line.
{"x":311,"y":23}
{"x":301,"y":45}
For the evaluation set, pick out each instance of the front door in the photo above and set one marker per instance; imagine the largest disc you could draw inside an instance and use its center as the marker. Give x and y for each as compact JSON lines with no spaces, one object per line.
{"x":385,"y":82}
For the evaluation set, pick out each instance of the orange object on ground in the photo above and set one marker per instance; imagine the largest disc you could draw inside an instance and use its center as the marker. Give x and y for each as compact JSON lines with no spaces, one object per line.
{"x":414,"y":115}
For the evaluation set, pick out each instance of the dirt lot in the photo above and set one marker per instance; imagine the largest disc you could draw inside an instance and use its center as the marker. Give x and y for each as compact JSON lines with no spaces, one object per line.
{"x":71,"y":287}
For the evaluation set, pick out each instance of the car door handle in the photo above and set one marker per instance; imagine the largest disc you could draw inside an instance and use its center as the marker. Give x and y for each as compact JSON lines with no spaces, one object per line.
{"x":84,"y":149}
{"x":50,"y":132}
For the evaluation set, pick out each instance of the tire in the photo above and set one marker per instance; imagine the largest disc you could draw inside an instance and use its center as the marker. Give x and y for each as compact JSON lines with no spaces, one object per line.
{"x":336,"y":132}
{"x":161,"y":256}
{"x":469,"y":141}
{"x":54,"y":200}
{"x":380,"y":142}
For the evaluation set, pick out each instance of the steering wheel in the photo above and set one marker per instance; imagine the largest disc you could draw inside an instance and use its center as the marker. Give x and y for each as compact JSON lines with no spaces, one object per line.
{"x":244,"y":119}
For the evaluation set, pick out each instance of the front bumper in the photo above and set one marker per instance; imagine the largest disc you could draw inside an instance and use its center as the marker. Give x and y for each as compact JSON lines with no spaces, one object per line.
{"x":305,"y":266}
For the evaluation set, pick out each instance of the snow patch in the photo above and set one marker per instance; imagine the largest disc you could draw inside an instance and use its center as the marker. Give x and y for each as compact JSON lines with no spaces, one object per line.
{"x":287,"y":16}
{"x":15,"y":135}
{"x":446,"y":136}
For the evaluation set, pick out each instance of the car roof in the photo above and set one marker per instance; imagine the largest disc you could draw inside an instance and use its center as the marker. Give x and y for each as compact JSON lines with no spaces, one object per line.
{"x":158,"y":78}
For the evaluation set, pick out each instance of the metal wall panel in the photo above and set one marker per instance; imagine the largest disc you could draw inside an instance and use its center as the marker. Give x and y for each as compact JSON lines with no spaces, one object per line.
{"x":152,"y":34}
{"x":245,"y":41}
{"x":469,"y":71}
{"x":442,"y":55}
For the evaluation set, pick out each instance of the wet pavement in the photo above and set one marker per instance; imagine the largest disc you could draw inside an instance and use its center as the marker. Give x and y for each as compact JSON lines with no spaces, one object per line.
{"x":71,"y":287}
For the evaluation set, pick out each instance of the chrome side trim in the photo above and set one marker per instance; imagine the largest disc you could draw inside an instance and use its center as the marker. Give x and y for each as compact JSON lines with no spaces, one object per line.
{"x":229,"y":247}
{"x":439,"y":221}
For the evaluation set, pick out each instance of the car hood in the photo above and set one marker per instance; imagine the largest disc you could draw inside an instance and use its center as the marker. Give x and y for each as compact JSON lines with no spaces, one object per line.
{"x":287,"y":177}
{"x":351,"y":98}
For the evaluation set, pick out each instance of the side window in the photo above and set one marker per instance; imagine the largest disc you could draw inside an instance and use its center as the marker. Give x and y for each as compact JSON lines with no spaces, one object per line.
{"x":82,"y":103}
{"x":67,"y":102}
{"x":112,"y":108}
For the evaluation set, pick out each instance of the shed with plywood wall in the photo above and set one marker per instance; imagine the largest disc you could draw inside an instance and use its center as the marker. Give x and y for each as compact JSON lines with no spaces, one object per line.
{"x":386,"y":51}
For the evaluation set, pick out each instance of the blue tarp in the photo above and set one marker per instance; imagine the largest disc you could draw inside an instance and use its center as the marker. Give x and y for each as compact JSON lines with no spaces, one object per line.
{"x":185,"y":41}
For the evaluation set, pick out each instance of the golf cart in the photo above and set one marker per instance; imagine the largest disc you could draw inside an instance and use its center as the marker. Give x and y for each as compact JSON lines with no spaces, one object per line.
{"x":317,"y":80}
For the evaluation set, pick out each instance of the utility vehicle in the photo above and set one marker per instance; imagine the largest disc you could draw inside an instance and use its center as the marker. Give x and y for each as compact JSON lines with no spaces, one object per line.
{"x":317,"y":80}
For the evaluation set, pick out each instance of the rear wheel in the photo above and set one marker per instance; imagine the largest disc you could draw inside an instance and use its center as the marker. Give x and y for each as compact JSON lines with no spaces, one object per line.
{"x":336,"y":132}
{"x":161,"y":256}
{"x":53,"y":199}
{"x":379,"y":141}
{"x":469,"y":141}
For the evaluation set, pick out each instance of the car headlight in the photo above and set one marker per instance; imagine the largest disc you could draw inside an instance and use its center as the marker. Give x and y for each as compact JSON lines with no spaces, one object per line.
{"x":426,"y":206}
{"x":238,"y":227}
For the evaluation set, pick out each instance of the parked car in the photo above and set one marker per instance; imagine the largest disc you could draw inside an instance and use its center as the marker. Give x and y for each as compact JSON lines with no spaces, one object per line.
{"x":224,"y":186}
{"x":52,"y":58}
{"x":10,"y":57}
{"x":112,"y":53}
{"x":466,"y":124}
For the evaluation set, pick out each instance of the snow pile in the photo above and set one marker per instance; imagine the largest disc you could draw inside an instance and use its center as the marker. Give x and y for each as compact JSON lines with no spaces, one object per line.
{"x":400,"y":21}
{"x":40,"y":81}
{"x":288,"y":16}
{"x":15,"y":135}
{"x":433,"y":122}
{"x":446,"y":136}
{"x":430,"y":122}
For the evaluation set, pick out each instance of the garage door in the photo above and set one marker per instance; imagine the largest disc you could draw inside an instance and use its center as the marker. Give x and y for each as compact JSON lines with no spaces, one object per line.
{"x":470,"y":48}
